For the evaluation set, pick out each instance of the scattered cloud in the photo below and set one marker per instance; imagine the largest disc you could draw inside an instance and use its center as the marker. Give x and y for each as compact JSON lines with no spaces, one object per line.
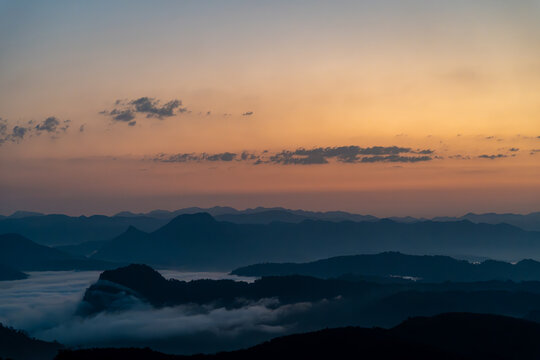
{"x":127,"y":110}
{"x":396,"y":158}
{"x":492,"y":157}
{"x":459,"y":157}
{"x":51,"y":125}
{"x":513,"y":149}
{"x":248,"y":113}
{"x":19,"y":132}
{"x":122,"y":115}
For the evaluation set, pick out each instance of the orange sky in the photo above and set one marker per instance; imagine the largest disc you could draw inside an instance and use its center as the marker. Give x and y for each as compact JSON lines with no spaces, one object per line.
{"x":455,"y":79}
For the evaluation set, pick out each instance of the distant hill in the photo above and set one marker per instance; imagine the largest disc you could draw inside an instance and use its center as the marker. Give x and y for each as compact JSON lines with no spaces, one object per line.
{"x":64,"y":230}
{"x":199,"y":241}
{"x":8,"y":273}
{"x":393,"y":264}
{"x":17,"y":345}
{"x":19,"y":252}
{"x":446,"y":336}
{"x":258,"y":215}
{"x":263,"y":217}
{"x":527,"y":222}
{"x":22,"y":214}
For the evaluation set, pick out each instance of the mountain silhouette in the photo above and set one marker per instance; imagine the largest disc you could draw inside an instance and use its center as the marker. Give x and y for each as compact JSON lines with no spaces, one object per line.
{"x":199,"y":241}
{"x":62,"y":230}
{"x":67,"y":230}
{"x":21,"y":253}
{"x":446,"y":336}
{"x":394,"y":264}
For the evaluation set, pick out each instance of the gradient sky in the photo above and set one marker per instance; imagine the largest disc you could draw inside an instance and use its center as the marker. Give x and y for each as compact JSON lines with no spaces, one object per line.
{"x":448,"y":92}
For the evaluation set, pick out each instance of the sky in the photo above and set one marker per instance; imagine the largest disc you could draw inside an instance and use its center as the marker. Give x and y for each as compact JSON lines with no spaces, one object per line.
{"x":388,"y":107}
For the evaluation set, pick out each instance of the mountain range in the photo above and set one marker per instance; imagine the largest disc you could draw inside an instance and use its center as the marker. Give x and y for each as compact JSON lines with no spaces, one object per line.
{"x":199,"y":241}
{"x":56,"y":229}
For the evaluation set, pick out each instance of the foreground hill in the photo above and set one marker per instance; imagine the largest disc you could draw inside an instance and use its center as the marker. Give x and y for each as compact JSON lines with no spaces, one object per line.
{"x":446,"y":336}
{"x":199,"y":240}
{"x":8,"y":273}
{"x":333,"y":302}
{"x":17,"y":345}
{"x":393,"y":264}
{"x":21,"y":253}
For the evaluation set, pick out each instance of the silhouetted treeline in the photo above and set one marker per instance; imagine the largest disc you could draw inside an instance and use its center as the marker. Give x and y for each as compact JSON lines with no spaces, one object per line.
{"x":447,"y":336}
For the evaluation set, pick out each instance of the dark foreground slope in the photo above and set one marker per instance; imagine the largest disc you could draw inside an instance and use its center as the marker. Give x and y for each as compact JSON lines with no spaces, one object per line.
{"x":446,"y":336}
{"x":17,"y":345}
{"x":393,"y":264}
{"x":8,"y":273}
{"x":21,"y":253}
{"x":199,"y":241}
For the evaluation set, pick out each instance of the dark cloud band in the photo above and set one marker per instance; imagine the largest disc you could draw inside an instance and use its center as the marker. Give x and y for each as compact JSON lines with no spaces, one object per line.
{"x":316,"y":156}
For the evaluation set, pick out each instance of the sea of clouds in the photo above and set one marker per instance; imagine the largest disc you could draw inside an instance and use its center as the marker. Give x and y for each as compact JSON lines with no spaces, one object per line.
{"x":44,"y":305}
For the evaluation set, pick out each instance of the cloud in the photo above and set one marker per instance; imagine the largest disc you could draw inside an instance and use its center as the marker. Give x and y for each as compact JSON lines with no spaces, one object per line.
{"x":302,"y":156}
{"x":348,"y":154}
{"x":513,"y":149}
{"x":50,"y":124}
{"x":44,"y":305}
{"x":534,"y":151}
{"x":492,"y":157}
{"x":122,"y":115}
{"x":151,"y":107}
{"x":81,"y":128}
{"x":19,"y":132}
{"x":247,"y":113}
{"x":127,"y":110}
{"x":192,"y":157}
{"x":459,"y":157}
{"x":396,"y":158}
{"x":226,"y":156}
